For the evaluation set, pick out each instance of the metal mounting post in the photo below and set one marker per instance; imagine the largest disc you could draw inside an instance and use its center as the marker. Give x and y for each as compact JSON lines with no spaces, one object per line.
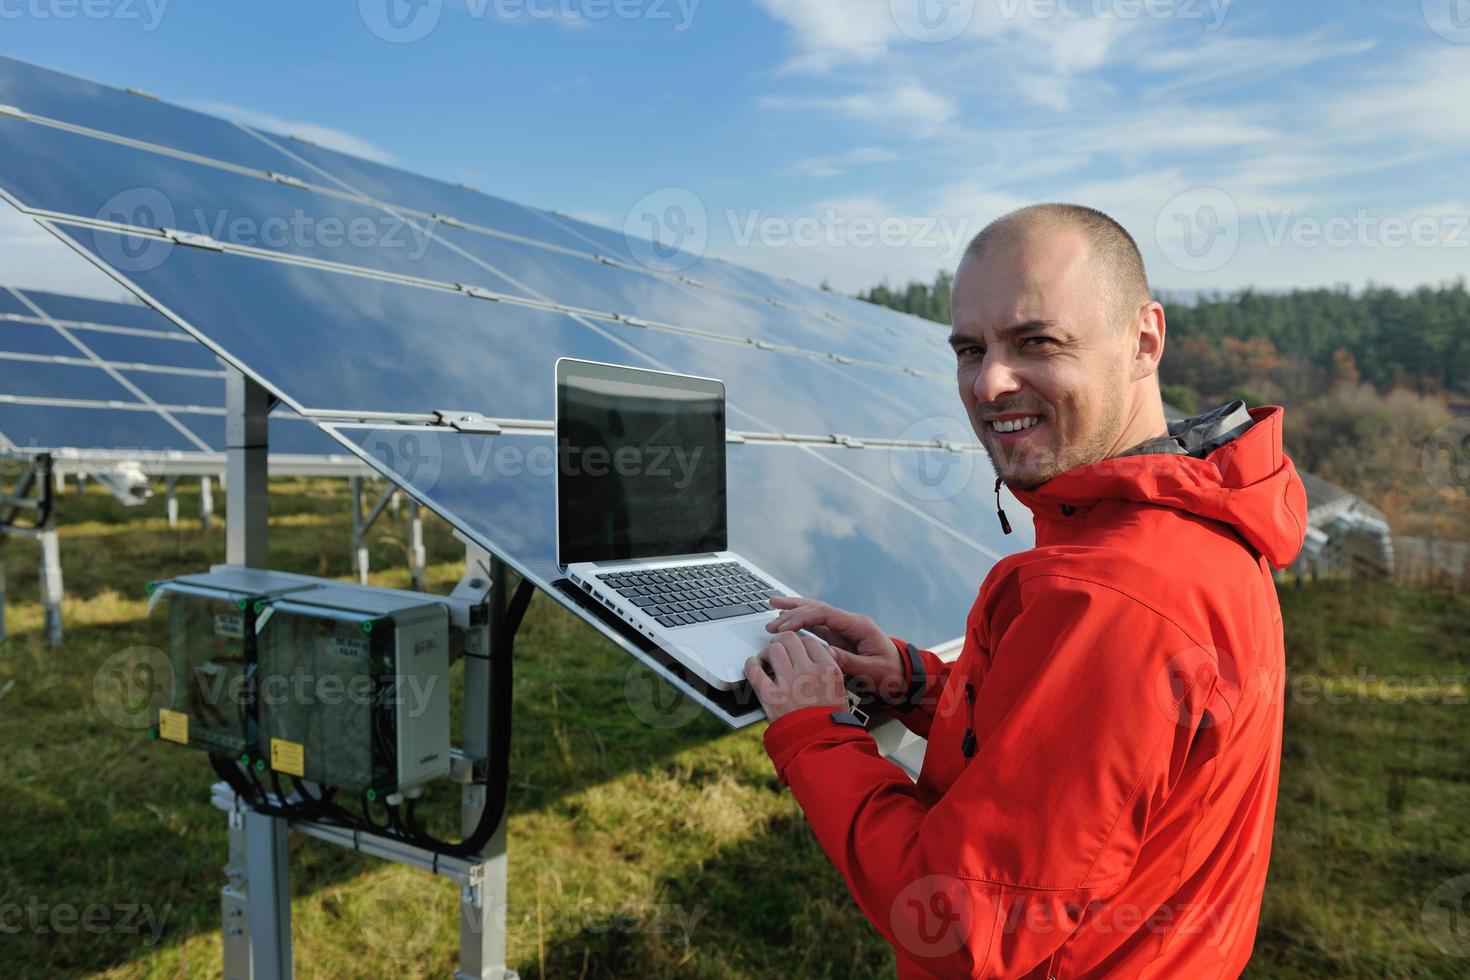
{"x":417,"y":557}
{"x":206,"y":502}
{"x":51,"y":588}
{"x":362,"y":523}
{"x":255,"y":906}
{"x":482,"y":904}
{"x":171,"y":501}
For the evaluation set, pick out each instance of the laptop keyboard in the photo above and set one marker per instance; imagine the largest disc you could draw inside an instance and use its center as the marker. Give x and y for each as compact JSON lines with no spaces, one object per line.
{"x":692,"y":594}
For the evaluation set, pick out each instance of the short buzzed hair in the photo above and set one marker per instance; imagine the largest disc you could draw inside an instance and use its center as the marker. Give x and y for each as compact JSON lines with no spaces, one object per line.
{"x":1116,"y":254}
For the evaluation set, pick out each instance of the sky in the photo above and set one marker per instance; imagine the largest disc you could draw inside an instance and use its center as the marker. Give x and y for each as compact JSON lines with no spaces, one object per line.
{"x":1247,"y":144}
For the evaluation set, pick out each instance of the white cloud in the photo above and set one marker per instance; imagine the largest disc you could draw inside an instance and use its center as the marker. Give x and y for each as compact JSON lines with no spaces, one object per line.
{"x":327,"y":136}
{"x":909,"y":107}
{"x":839,"y":164}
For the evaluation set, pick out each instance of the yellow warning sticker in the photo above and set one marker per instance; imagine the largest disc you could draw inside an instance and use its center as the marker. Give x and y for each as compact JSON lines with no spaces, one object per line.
{"x":173,"y":726}
{"x":288,"y":757}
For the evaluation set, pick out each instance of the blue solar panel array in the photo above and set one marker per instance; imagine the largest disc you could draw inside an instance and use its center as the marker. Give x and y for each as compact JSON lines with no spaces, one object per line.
{"x":88,"y":374}
{"x":453,"y":299}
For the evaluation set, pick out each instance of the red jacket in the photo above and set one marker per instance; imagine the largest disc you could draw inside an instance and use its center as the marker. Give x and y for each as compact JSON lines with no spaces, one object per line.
{"x":1099,"y":785}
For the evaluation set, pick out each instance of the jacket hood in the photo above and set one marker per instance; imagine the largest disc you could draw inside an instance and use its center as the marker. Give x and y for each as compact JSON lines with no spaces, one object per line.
{"x":1210,"y":465}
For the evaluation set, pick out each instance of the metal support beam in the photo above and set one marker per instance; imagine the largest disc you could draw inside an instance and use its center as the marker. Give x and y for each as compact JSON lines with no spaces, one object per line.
{"x":363,"y":522}
{"x":256,"y":906}
{"x":206,"y":502}
{"x":171,"y":501}
{"x":417,"y":557}
{"x":51,"y":590}
{"x":247,"y":441}
{"x":359,"y":545}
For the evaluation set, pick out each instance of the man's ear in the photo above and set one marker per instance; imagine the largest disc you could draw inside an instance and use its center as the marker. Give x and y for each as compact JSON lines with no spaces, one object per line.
{"x":1149,"y":328}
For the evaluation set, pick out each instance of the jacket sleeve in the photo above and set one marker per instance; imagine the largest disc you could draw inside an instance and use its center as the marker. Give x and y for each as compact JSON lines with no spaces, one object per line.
{"x":924,"y":675}
{"x":1083,"y":725}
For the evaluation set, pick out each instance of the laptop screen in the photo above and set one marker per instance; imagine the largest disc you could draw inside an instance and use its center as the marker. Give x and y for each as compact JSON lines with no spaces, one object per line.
{"x":640,"y":463}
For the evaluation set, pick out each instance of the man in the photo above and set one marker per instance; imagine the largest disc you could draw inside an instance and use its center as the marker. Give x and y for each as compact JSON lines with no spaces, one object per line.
{"x":1099,"y":785}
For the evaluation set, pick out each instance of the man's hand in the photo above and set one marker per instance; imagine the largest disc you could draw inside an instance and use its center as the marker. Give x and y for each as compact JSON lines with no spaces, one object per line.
{"x":861,"y":649}
{"x":796,"y":672}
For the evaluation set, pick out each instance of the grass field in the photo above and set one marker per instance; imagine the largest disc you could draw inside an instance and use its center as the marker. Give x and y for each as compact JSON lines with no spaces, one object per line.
{"x":638,"y":850}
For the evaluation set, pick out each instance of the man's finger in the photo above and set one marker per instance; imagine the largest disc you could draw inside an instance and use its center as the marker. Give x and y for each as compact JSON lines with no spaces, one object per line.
{"x":796,"y":652}
{"x":778,"y":658}
{"x":790,"y":601}
{"x":817,"y":651}
{"x":759,"y":682}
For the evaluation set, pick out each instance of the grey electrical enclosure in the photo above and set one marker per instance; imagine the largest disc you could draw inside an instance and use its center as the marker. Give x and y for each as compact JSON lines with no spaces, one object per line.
{"x":353,"y":687}
{"x":344,"y":685}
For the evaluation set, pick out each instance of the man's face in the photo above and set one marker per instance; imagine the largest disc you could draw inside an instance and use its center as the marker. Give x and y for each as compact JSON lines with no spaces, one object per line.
{"x":1037,"y":344}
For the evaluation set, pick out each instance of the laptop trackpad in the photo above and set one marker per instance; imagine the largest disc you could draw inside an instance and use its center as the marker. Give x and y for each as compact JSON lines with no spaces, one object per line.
{"x":723,"y":647}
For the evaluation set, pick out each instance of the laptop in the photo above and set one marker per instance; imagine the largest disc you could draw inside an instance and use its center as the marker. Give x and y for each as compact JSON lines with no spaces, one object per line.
{"x":641,"y":521}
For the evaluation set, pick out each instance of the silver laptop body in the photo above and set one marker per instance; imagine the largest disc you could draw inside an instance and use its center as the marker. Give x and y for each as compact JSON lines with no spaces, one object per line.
{"x":641,"y":521}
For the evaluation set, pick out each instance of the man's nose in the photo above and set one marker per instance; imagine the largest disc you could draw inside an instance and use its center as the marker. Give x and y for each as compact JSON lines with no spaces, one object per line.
{"x":994,"y":380}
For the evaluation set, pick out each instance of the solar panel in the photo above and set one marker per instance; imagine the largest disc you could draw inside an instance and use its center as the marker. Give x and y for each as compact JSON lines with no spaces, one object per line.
{"x":57,"y":171}
{"x":425,"y":195}
{"x":43,"y":92}
{"x":54,"y":395}
{"x":904,"y":533}
{"x":493,"y":358}
{"x":84,"y":310}
{"x":10,"y":306}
